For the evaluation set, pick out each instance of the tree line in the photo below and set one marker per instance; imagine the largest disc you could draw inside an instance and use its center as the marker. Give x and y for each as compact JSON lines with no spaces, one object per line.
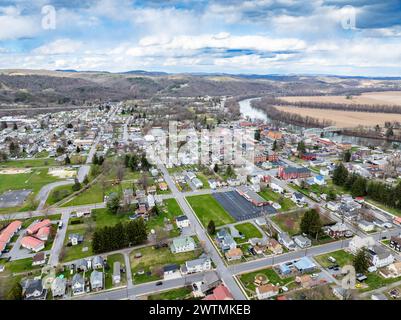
{"x":267,"y":105}
{"x":121,"y":235}
{"x":360,"y":187}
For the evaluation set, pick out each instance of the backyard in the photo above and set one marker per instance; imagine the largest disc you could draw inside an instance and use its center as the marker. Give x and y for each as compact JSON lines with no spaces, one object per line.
{"x":248,"y":230}
{"x":270,"y":195}
{"x":342,"y":258}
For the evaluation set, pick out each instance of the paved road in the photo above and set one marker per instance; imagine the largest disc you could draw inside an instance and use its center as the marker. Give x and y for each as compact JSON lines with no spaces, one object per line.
{"x":144,"y":289}
{"x":222,"y":270}
{"x":58,"y":242}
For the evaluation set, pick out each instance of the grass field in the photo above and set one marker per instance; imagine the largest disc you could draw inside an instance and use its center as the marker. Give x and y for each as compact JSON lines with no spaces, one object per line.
{"x":29,"y":163}
{"x":343,"y":258}
{"x":289,"y":222}
{"x":270,"y":195}
{"x":75,"y":252}
{"x":174,"y":294}
{"x":248,"y":230}
{"x":153,"y":260}
{"x":20,"y":266}
{"x":170,"y":210}
{"x":59,"y":193}
{"x":34,"y":180}
{"x":207,"y":208}
{"x":102,"y":218}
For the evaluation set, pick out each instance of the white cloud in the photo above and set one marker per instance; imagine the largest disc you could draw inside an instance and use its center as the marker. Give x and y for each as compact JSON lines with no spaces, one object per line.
{"x":14,"y":26}
{"x":61,"y":46}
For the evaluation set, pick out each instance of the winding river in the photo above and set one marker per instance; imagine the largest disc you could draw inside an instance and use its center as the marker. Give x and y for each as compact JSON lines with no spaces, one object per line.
{"x":248,"y":111}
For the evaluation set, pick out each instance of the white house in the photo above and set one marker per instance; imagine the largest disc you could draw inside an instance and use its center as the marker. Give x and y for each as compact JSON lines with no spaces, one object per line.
{"x":379,"y":257}
{"x":198,"y":265}
{"x":319,"y":180}
{"x":183,"y":244}
{"x":151,"y":201}
{"x":333,"y":206}
{"x":182,"y":221}
{"x":357,"y":243}
{"x":212,"y":184}
{"x":276,"y":188}
{"x":302,"y":241}
{"x":366,"y":226}
{"x":298,"y":197}
{"x":286,"y":241}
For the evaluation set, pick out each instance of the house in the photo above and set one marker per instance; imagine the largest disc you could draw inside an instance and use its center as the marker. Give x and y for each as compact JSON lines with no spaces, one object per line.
{"x":58,"y":287}
{"x":77,"y":284}
{"x":286,"y":241}
{"x":274,"y":246}
{"x":340,"y":293}
{"x":151,"y":201}
{"x":286,"y":173}
{"x":43,"y":233}
{"x":197,"y":183}
{"x":75,"y":239}
{"x":82,"y":265}
{"x":33,"y":290}
{"x":357,"y":243}
{"x":319,"y":180}
{"x":212,"y":184}
{"x":116,"y":272}
{"x":308,"y":156}
{"x":32,"y":244}
{"x":220,"y":293}
{"x":276,"y":188}
{"x":234,"y":254}
{"x":183,"y":244}
{"x":171,"y":271}
{"x":380,"y":257}
{"x":302,"y":241}
{"x":97,"y":262}
{"x":267,"y":291}
{"x":39,"y":259}
{"x":333,"y":206}
{"x":251,"y":196}
{"x":366,"y":226}
{"x":338,"y":230}
{"x":393,"y":270}
{"x":305,"y":265}
{"x":182,"y":221}
{"x":96,"y":280}
{"x":34,"y":227}
{"x":7,"y":233}
{"x":210,"y":280}
{"x":128,"y":196}
{"x":395,"y":243}
{"x":298,"y":197}
{"x":198,"y":265}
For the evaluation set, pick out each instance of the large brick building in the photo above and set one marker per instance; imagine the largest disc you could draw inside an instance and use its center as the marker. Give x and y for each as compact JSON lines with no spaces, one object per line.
{"x":286,"y":173}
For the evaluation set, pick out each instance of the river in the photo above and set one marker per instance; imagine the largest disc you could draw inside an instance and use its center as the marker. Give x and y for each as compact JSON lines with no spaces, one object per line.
{"x":248,"y":111}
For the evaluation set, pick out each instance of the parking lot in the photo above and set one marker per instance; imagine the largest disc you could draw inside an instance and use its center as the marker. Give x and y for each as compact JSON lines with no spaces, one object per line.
{"x":239,"y":208}
{"x":13,"y":198}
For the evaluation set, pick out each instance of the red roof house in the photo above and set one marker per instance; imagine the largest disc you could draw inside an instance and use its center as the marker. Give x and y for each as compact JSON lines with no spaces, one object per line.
{"x":33,"y":228}
{"x":220,"y":293}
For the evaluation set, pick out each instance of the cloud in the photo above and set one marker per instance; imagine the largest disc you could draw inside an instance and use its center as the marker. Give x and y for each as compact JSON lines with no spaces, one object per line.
{"x":14,"y":26}
{"x":60,"y":46}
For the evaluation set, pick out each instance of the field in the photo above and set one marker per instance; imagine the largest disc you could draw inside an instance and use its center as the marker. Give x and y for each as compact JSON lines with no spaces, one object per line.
{"x":58,"y":194}
{"x":33,"y":180}
{"x":170,"y":210}
{"x":109,"y":273}
{"x":344,"y":119}
{"x":153,"y":260}
{"x":343,"y":258}
{"x":207,"y":208}
{"x":289,"y":222}
{"x":248,"y":230}
{"x":372,"y":98}
{"x":286,"y":204}
{"x":28,"y":163}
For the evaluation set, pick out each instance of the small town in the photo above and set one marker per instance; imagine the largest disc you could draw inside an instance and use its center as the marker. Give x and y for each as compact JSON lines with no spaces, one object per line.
{"x":204,"y":158}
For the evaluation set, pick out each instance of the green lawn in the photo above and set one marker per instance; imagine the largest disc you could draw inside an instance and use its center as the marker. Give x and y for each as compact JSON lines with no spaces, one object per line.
{"x":394,"y":211}
{"x":59,"y":193}
{"x":34,"y":180}
{"x":248,"y":279}
{"x":289,"y":222}
{"x":109,"y":273}
{"x":174,"y":294}
{"x":75,"y":252}
{"x":169,"y":210}
{"x":207,"y":208}
{"x":92,"y":195}
{"x":153,"y":260}
{"x":270,"y":195}
{"x":20,"y":266}
{"x":248,"y":230}
{"x":375,"y":281}
{"x":104,"y":218}
{"x":343,"y":258}
{"x":29,"y":163}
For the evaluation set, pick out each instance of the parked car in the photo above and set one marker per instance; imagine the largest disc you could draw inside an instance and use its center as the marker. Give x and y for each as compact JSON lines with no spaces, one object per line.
{"x":159,"y":283}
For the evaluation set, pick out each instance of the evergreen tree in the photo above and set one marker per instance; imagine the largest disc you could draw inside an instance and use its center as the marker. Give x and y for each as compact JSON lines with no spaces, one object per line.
{"x":211,"y":227}
{"x":301,"y":148}
{"x":113,"y":203}
{"x":361,"y":261}
{"x":389,"y":132}
{"x":216,"y":168}
{"x":95,"y":159}
{"x":340,"y":175}
{"x":347,"y":156}
{"x":358,"y":188}
{"x":257,"y":135}
{"x":15,"y":127}
{"x":274,"y":147}
{"x":76,"y":186}
{"x":67,"y":160}
{"x":311,"y":223}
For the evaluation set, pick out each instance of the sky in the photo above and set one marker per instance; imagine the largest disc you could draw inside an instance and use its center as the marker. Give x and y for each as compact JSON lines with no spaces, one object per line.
{"x":360,"y":37}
